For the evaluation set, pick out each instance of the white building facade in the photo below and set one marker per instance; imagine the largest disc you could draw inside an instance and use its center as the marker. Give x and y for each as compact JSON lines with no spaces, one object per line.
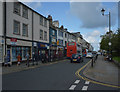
{"x":21,"y":31}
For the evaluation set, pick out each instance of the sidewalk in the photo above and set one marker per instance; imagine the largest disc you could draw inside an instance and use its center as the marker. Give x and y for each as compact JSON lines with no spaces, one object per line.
{"x":103,"y":71}
{"x":15,"y":68}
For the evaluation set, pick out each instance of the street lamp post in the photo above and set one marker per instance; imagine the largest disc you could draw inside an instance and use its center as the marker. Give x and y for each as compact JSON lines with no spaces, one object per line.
{"x":103,"y":10}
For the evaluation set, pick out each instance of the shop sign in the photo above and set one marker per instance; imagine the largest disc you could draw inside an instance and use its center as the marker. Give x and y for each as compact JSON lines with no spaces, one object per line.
{"x":47,"y":47}
{"x":13,"y":41}
{"x":35,"y":44}
{"x":42,"y":45}
{"x":53,"y":39}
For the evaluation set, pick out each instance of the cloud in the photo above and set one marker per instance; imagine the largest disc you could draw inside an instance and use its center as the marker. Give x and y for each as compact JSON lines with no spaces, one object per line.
{"x":93,"y":38}
{"x":95,"y":33}
{"x":89,"y":13}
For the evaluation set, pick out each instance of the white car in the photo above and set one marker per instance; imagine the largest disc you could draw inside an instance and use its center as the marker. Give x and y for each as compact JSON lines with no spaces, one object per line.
{"x":98,"y":53}
{"x":89,"y":55}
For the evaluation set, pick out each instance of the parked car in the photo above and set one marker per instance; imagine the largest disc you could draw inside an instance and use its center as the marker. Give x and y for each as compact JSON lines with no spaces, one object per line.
{"x":99,"y":53}
{"x":94,"y":52}
{"x":76,"y":58}
{"x":89,"y":55}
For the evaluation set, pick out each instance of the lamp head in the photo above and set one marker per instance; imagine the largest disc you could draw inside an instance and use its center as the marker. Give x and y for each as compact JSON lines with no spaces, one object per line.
{"x":103,"y":10}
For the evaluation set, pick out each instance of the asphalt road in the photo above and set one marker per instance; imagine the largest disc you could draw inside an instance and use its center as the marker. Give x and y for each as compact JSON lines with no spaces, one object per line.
{"x":58,"y":76}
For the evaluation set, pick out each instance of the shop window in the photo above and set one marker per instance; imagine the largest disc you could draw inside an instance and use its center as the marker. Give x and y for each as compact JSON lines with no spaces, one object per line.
{"x":17,"y":8}
{"x":16,"y":28}
{"x":25,"y":12}
{"x":25,"y":51}
{"x":15,"y":52}
{"x":25,"y":30}
{"x":14,"y":55}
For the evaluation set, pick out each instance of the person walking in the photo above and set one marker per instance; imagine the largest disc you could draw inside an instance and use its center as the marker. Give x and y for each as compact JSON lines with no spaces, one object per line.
{"x":18,"y":59}
{"x":5,"y":61}
{"x":27,"y":56}
{"x":33,"y":58}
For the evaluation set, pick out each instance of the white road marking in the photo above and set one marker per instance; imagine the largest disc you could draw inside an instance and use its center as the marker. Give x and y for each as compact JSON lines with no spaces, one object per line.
{"x":72,"y":87}
{"x":77,"y":81}
{"x":85,"y":88}
{"x":87,"y":82}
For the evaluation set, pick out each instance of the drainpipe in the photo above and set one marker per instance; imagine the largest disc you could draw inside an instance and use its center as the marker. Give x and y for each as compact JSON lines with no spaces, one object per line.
{"x":4,"y":22}
{"x":32,"y":38}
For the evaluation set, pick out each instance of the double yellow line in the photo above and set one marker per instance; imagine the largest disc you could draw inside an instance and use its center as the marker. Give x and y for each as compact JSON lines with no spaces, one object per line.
{"x":77,"y":73}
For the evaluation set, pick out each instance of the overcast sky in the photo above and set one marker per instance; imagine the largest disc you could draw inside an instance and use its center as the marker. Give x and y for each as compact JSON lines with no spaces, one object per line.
{"x":83,"y":17}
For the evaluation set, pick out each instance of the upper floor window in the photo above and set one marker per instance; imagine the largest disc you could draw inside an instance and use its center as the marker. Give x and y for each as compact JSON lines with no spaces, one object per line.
{"x":25,"y":12}
{"x":65,"y":43}
{"x":41,"y":34}
{"x":16,"y":28}
{"x":16,"y":8}
{"x":60,"y":33}
{"x":53,"y":32}
{"x":45,"y":22}
{"x":45,"y":35}
{"x":25,"y":30}
{"x":65,"y":35}
{"x":41,"y":20}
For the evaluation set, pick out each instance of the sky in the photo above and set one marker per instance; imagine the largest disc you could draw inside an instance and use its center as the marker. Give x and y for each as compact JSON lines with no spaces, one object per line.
{"x":83,"y":17}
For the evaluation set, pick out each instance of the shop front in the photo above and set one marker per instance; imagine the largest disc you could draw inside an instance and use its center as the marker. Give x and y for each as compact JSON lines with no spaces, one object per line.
{"x":43,"y":51}
{"x":53,"y":53}
{"x":17,"y":47}
{"x":60,"y":52}
{"x":19,"y":50}
{"x":1,"y":49}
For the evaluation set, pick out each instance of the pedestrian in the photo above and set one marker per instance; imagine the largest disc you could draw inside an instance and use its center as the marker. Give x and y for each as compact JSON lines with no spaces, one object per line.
{"x":18,"y":59}
{"x":33,"y":58}
{"x":27,"y":57}
{"x":5,"y":61}
{"x":43,"y":58}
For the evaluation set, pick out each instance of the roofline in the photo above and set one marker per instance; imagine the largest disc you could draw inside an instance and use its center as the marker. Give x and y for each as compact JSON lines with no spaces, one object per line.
{"x":32,"y":9}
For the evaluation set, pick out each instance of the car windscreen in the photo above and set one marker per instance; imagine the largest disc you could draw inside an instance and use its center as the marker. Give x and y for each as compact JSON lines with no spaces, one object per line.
{"x":89,"y":53}
{"x":75,"y":55}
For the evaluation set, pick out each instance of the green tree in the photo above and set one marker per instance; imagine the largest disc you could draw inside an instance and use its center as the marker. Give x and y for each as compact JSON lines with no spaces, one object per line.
{"x":115,"y":40}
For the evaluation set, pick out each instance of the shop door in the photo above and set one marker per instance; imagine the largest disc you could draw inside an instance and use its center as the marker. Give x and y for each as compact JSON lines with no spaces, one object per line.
{"x":8,"y":55}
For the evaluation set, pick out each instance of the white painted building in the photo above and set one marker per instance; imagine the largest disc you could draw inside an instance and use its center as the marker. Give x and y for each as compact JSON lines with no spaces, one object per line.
{"x":22,"y":28}
{"x":1,"y":32}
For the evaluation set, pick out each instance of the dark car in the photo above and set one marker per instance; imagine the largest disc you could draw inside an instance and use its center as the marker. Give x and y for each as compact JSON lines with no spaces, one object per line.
{"x":76,"y":58}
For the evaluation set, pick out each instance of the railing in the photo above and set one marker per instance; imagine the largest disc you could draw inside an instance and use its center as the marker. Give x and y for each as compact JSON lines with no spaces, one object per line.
{"x":94,"y":59}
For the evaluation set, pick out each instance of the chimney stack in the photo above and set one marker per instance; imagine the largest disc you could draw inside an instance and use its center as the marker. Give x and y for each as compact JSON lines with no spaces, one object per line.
{"x":50,"y":19}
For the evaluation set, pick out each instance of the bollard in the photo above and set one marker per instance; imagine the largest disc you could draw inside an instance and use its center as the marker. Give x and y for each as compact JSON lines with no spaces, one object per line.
{"x":94,"y":59}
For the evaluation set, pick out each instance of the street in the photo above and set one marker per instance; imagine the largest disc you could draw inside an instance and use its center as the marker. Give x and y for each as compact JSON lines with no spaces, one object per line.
{"x":57,"y":76}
